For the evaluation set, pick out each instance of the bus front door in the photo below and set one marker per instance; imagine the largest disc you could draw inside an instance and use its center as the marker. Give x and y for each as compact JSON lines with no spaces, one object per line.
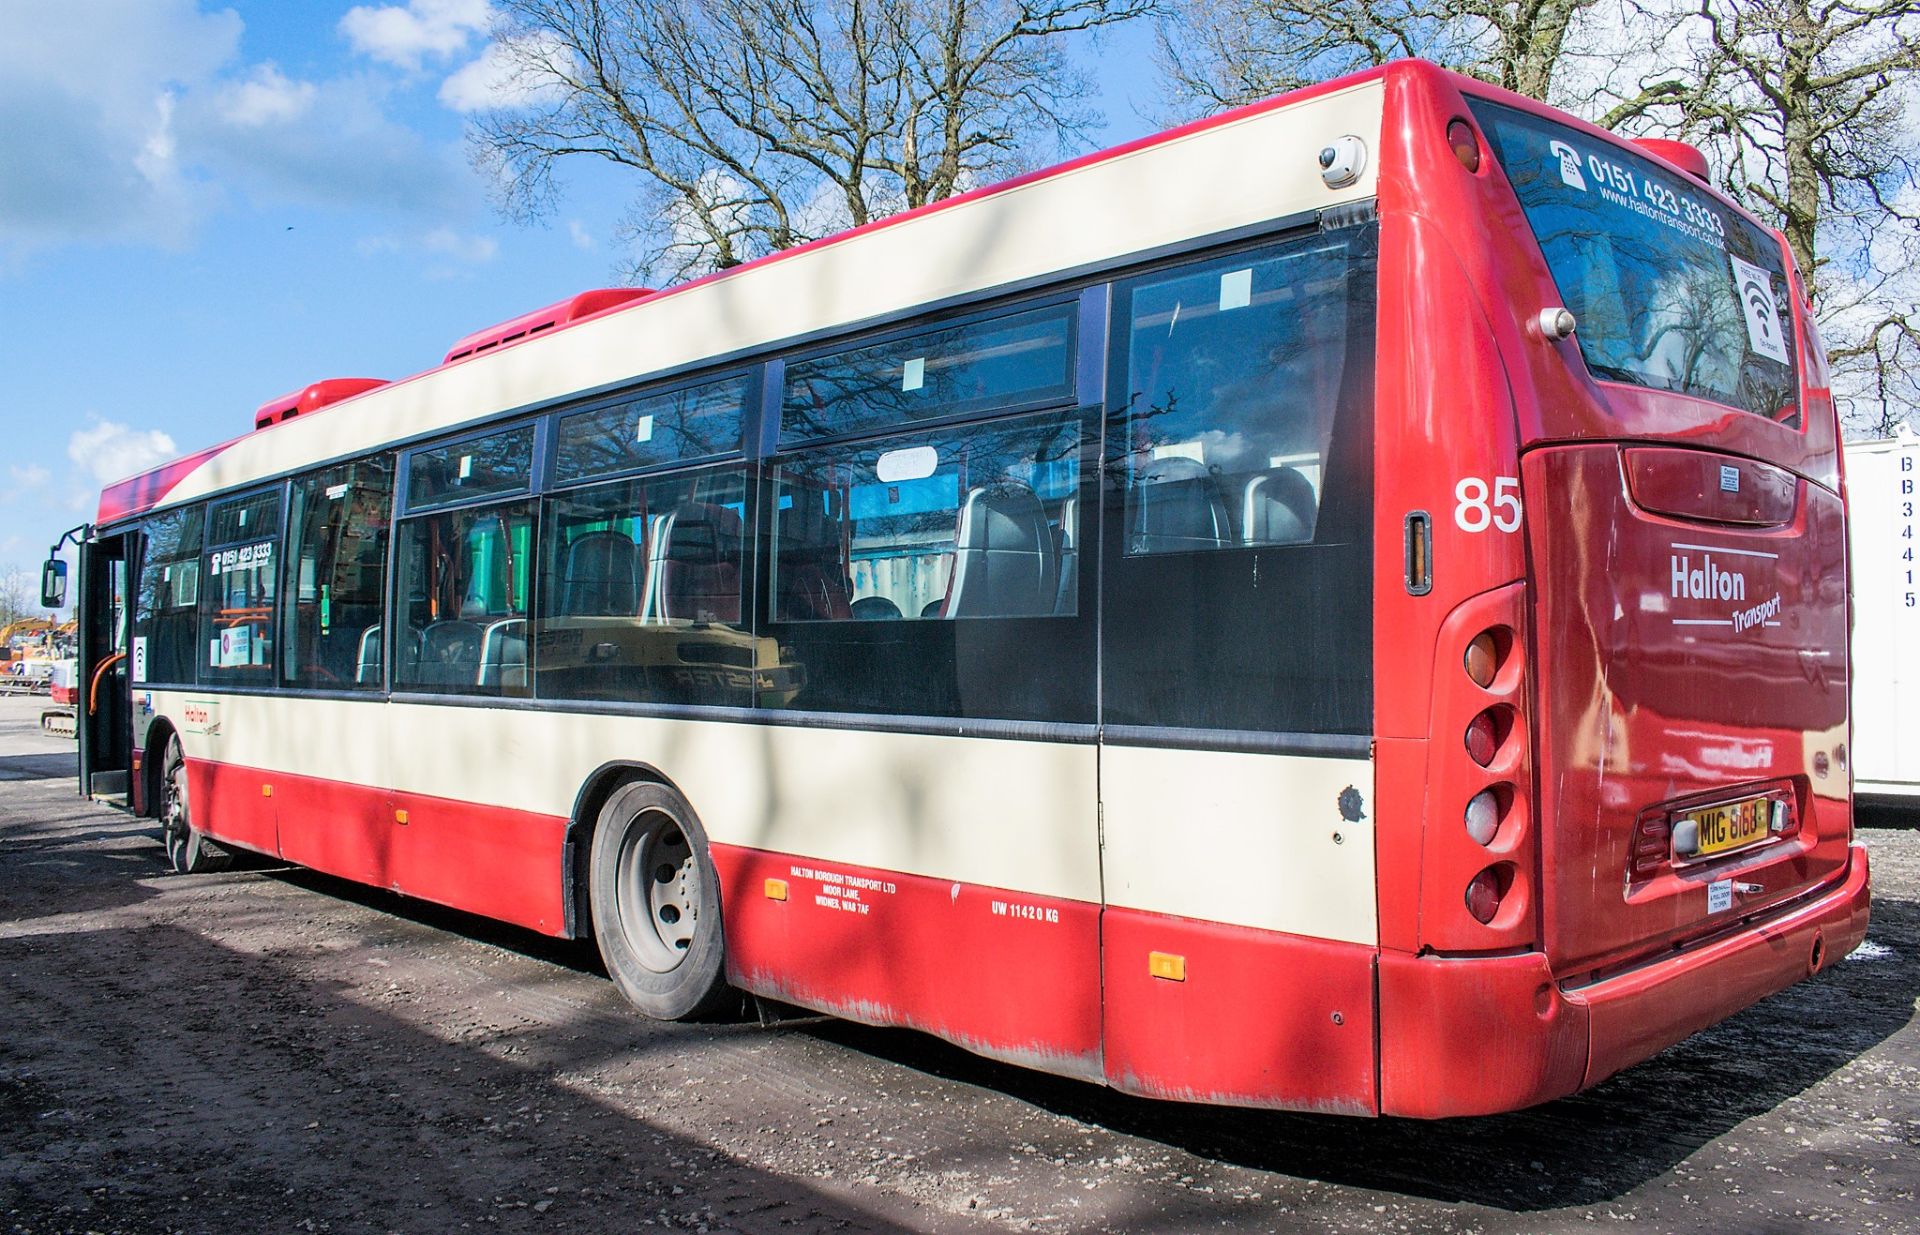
{"x":105,"y":703}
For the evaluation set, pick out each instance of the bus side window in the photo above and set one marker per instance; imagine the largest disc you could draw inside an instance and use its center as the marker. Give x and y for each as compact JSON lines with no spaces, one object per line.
{"x":237,"y":586}
{"x":642,"y":593}
{"x":462,"y":601}
{"x":337,"y":562}
{"x":167,"y":604}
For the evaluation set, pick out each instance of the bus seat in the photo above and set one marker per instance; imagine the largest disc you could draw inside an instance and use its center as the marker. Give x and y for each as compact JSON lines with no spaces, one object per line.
{"x":1067,"y":596}
{"x":449,"y":653}
{"x":1003,"y":555}
{"x":874,"y":609}
{"x":601,"y":577}
{"x":503,"y":655}
{"x":1177,"y":507}
{"x":1278,"y":509}
{"x":694,"y":569}
{"x":368,"y":661}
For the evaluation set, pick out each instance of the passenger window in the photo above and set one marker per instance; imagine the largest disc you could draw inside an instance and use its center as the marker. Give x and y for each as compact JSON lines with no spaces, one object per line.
{"x":999,"y":364}
{"x":236,"y":586}
{"x":1234,"y":369}
{"x":969,"y":521}
{"x":462,"y":595}
{"x":641,"y":594}
{"x":691,"y":423}
{"x":167,"y":606}
{"x":491,"y":466}
{"x":338,"y":547}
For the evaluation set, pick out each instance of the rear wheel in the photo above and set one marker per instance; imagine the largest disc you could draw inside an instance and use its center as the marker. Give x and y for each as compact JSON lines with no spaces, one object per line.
{"x":656,"y":903}
{"x":188,"y":850}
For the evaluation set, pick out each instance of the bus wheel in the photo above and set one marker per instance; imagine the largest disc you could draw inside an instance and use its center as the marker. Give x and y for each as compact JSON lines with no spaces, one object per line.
{"x":188,"y":849}
{"x":656,"y":903}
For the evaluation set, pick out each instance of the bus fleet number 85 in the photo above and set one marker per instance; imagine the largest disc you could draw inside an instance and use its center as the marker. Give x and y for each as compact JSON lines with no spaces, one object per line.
{"x":1478,"y":509}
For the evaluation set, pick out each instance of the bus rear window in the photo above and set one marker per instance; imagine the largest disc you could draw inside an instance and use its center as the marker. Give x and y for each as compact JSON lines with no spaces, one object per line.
{"x":1671,"y":289}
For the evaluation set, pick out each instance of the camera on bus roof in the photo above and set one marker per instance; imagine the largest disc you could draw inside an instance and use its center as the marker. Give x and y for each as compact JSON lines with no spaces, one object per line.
{"x":1342,"y":161}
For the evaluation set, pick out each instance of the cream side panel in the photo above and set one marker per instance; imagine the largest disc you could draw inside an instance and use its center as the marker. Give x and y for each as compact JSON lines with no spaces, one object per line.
{"x":314,"y":737}
{"x":1234,"y":175}
{"x":1016,"y":815}
{"x":1246,"y":839}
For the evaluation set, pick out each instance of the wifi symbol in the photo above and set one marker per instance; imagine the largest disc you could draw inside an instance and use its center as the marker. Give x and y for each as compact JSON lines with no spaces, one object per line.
{"x":1760,"y":308}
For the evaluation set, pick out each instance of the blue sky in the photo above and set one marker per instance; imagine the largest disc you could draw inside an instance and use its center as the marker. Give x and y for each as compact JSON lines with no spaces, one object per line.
{"x":204,"y":205}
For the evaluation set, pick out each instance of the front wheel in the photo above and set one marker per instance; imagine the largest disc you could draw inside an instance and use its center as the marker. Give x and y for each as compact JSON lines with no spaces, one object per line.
{"x":188,"y":850}
{"x":656,"y":903}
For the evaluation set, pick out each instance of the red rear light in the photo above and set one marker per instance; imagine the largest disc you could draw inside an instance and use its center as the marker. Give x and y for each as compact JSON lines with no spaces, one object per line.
{"x":1483,"y":738}
{"x":1484,"y":894}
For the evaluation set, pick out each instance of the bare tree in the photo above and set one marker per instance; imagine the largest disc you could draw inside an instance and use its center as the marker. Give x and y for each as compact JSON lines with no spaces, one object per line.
{"x":759,"y":124}
{"x":1218,"y":53}
{"x":1808,"y":107}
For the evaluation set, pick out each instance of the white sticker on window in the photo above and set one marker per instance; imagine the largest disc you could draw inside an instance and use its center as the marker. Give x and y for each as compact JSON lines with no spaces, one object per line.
{"x":1569,"y":158}
{"x":243,"y":516}
{"x":1763,"y":312}
{"x":336,"y":492}
{"x":643,"y":428}
{"x":912,"y":463}
{"x":914,"y":375}
{"x":139,"y":658}
{"x":466,"y":466}
{"x":1720,"y":896}
{"x":1236,"y":289}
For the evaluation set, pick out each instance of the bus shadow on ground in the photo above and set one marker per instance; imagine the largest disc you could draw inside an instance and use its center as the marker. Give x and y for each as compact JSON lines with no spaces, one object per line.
{"x":1594,"y":1147}
{"x":154,"y":1079}
{"x":39,"y":767}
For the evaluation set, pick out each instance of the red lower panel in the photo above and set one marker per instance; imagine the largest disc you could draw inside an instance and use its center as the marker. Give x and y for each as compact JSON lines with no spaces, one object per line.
{"x":1481,"y":1035}
{"x":1652,"y":1007}
{"x":1475,"y":1035}
{"x":1259,"y":1018}
{"x":232,"y":803}
{"x":489,"y":860}
{"x":1008,"y":974}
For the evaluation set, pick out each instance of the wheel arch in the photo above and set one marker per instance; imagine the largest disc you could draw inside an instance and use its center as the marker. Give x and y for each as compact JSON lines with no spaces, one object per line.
{"x":150,"y":762}
{"x":577,"y":849}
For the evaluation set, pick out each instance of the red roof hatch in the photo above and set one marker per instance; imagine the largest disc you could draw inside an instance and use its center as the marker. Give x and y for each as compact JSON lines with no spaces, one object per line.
{"x":554,"y":316}
{"x":1686,"y":157}
{"x":312,"y":398}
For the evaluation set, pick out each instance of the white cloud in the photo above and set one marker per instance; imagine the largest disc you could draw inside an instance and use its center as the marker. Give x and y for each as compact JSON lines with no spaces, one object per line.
{"x":506,"y":75}
{"x":88,"y":149}
{"x":29,"y":476}
{"x":581,"y":237}
{"x":404,"y":36}
{"x":267,"y":97}
{"x":107,"y":450}
{"x":438,"y":242}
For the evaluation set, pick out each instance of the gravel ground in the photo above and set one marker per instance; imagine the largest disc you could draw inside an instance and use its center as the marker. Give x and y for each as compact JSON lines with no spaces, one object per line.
{"x":272,"y":1050}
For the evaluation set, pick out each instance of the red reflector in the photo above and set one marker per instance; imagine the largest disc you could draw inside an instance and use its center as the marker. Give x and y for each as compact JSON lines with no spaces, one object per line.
{"x":1483,"y":896}
{"x":1466,"y":147}
{"x":1483,"y":739}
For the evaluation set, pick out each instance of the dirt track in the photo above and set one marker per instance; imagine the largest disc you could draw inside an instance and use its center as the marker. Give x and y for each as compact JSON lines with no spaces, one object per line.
{"x":274,"y":1050}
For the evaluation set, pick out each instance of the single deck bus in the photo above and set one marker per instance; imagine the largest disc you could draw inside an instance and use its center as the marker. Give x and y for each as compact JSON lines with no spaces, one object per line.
{"x":1340,"y":606}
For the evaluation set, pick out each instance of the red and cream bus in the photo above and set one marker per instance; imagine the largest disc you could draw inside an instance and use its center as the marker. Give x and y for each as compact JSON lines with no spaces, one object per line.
{"x":1340,"y":606}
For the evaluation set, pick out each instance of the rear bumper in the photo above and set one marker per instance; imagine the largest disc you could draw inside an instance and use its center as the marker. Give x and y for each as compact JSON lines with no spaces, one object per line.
{"x":1475,"y":1036}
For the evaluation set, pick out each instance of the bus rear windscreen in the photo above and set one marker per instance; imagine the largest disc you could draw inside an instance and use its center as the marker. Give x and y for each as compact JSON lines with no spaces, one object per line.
{"x":1671,"y":289}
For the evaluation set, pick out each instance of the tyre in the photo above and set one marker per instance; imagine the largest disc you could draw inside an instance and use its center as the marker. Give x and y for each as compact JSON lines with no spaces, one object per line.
{"x":656,"y":903}
{"x":188,"y":850}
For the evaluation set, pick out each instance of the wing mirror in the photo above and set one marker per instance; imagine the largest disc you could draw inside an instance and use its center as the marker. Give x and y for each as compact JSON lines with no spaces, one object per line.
{"x":53,"y":584}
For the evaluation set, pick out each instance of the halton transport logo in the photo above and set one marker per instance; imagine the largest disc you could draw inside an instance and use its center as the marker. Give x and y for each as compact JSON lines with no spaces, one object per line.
{"x":1719,"y":576}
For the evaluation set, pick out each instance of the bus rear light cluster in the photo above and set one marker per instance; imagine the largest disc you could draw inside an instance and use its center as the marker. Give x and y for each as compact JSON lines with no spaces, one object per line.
{"x":1652,"y":844}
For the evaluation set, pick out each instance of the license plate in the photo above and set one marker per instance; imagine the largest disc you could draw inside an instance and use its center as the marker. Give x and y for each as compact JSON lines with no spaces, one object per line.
{"x":1732,"y":825}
